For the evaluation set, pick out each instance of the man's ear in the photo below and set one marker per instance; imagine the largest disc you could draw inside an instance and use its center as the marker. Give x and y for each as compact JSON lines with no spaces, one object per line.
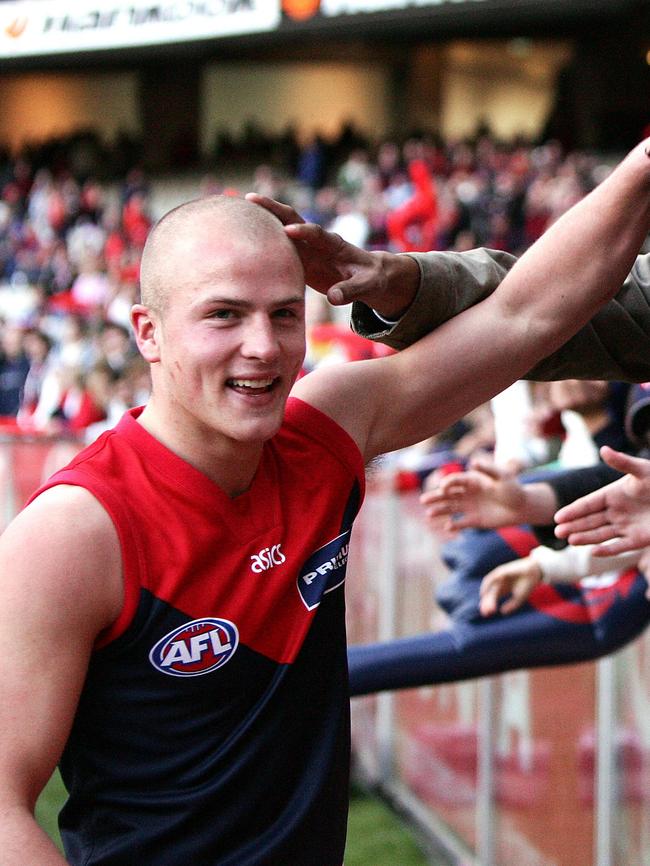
{"x":146,"y":330}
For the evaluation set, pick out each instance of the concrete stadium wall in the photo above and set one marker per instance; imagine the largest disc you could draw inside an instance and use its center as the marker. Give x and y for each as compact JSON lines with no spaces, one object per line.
{"x":451,"y":88}
{"x":313,"y":97}
{"x":511,"y":85}
{"x":40,"y":105}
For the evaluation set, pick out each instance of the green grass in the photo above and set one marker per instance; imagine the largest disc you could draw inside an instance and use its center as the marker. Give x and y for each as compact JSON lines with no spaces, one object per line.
{"x":48,"y":806}
{"x":376,"y":836}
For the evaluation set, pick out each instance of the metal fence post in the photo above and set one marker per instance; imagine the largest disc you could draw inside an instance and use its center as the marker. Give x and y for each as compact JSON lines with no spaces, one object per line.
{"x":485,"y":811}
{"x":386,"y":623}
{"x":7,"y":484}
{"x":606,"y":783}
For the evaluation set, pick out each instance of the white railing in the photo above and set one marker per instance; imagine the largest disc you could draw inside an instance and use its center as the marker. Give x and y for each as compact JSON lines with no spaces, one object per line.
{"x":544,"y":767}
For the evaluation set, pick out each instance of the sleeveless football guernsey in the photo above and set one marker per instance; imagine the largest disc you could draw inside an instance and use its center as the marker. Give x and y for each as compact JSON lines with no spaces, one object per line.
{"x":213,"y":727}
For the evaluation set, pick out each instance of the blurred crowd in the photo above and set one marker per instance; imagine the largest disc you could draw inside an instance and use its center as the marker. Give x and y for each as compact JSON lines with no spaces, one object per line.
{"x":423,"y":194}
{"x":74,"y":219}
{"x":69,"y":268}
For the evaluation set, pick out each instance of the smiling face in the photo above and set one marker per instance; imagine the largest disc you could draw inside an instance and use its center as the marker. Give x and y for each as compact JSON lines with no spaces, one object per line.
{"x":223,"y":326}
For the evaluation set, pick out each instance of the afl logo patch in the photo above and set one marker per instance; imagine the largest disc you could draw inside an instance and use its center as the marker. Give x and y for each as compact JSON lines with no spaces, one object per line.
{"x":195,"y":648}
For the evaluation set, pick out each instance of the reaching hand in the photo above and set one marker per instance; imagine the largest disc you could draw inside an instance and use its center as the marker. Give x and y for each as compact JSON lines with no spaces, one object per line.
{"x":482,"y":497}
{"x":343,"y":272}
{"x":616,"y":518}
{"x":517,"y":579}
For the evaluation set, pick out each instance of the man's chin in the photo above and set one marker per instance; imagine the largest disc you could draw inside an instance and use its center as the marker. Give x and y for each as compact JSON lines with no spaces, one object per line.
{"x":260,"y":430}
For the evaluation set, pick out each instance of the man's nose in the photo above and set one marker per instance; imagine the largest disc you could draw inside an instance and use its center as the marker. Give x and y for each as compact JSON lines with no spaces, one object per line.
{"x":260,"y":339}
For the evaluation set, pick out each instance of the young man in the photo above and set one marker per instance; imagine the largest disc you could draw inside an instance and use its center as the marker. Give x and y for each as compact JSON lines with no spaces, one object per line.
{"x":172,"y":628}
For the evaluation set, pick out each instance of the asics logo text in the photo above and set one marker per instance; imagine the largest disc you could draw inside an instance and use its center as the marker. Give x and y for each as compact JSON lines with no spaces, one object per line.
{"x":267,"y":558}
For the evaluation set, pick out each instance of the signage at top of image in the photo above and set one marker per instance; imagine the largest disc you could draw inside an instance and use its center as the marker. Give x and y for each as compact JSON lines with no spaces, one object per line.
{"x":329,"y":10}
{"x":301,"y":10}
{"x":351,"y":7}
{"x":40,"y":27}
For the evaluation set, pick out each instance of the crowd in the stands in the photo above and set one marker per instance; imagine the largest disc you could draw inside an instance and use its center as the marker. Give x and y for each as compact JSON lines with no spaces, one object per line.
{"x":74,"y":215}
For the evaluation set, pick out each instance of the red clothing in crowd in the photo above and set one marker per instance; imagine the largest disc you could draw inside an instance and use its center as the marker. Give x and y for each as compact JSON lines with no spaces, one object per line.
{"x":413,"y":226}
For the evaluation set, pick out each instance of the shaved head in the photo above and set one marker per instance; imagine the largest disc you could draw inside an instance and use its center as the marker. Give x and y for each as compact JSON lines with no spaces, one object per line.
{"x":225,"y":221}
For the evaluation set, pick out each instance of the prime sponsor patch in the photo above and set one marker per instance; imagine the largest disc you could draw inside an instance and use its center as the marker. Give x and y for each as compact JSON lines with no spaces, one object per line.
{"x":324,"y":570}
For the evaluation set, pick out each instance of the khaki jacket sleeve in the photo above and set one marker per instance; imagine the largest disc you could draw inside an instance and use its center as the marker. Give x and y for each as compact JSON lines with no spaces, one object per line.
{"x":449,"y":283}
{"x":615,"y":345}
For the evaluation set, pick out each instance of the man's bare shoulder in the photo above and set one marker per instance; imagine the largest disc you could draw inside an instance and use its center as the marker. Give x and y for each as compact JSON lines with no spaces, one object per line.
{"x":66,"y":513}
{"x":351,"y":394}
{"x":63,"y":545}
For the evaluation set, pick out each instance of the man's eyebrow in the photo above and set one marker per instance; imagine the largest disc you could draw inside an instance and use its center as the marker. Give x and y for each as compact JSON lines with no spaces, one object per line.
{"x":293,"y":299}
{"x":241,"y":303}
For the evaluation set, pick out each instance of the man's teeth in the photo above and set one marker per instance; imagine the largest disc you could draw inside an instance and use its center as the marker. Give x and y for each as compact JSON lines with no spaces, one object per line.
{"x":252,"y":383}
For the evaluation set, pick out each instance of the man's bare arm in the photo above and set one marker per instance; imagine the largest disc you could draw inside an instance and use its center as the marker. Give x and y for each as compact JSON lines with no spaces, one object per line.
{"x":557,"y":285}
{"x":613,"y":345}
{"x":61,"y":585}
{"x":420,"y":291}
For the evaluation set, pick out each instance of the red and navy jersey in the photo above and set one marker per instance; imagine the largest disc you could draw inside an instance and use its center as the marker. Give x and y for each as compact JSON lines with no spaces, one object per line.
{"x":213,"y":727}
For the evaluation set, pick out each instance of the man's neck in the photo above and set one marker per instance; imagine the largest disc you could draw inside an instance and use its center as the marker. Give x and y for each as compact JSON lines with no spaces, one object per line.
{"x":231,"y":465}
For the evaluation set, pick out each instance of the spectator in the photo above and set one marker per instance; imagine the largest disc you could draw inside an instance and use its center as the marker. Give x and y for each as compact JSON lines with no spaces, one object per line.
{"x":85,"y":401}
{"x":37,"y":346}
{"x":413,"y":226}
{"x":352,"y":175}
{"x":14,"y":367}
{"x":74,"y":347}
{"x":90,"y":290}
{"x":115,"y":346}
{"x":350,"y":222}
{"x":135,"y":219}
{"x":312,"y":163}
